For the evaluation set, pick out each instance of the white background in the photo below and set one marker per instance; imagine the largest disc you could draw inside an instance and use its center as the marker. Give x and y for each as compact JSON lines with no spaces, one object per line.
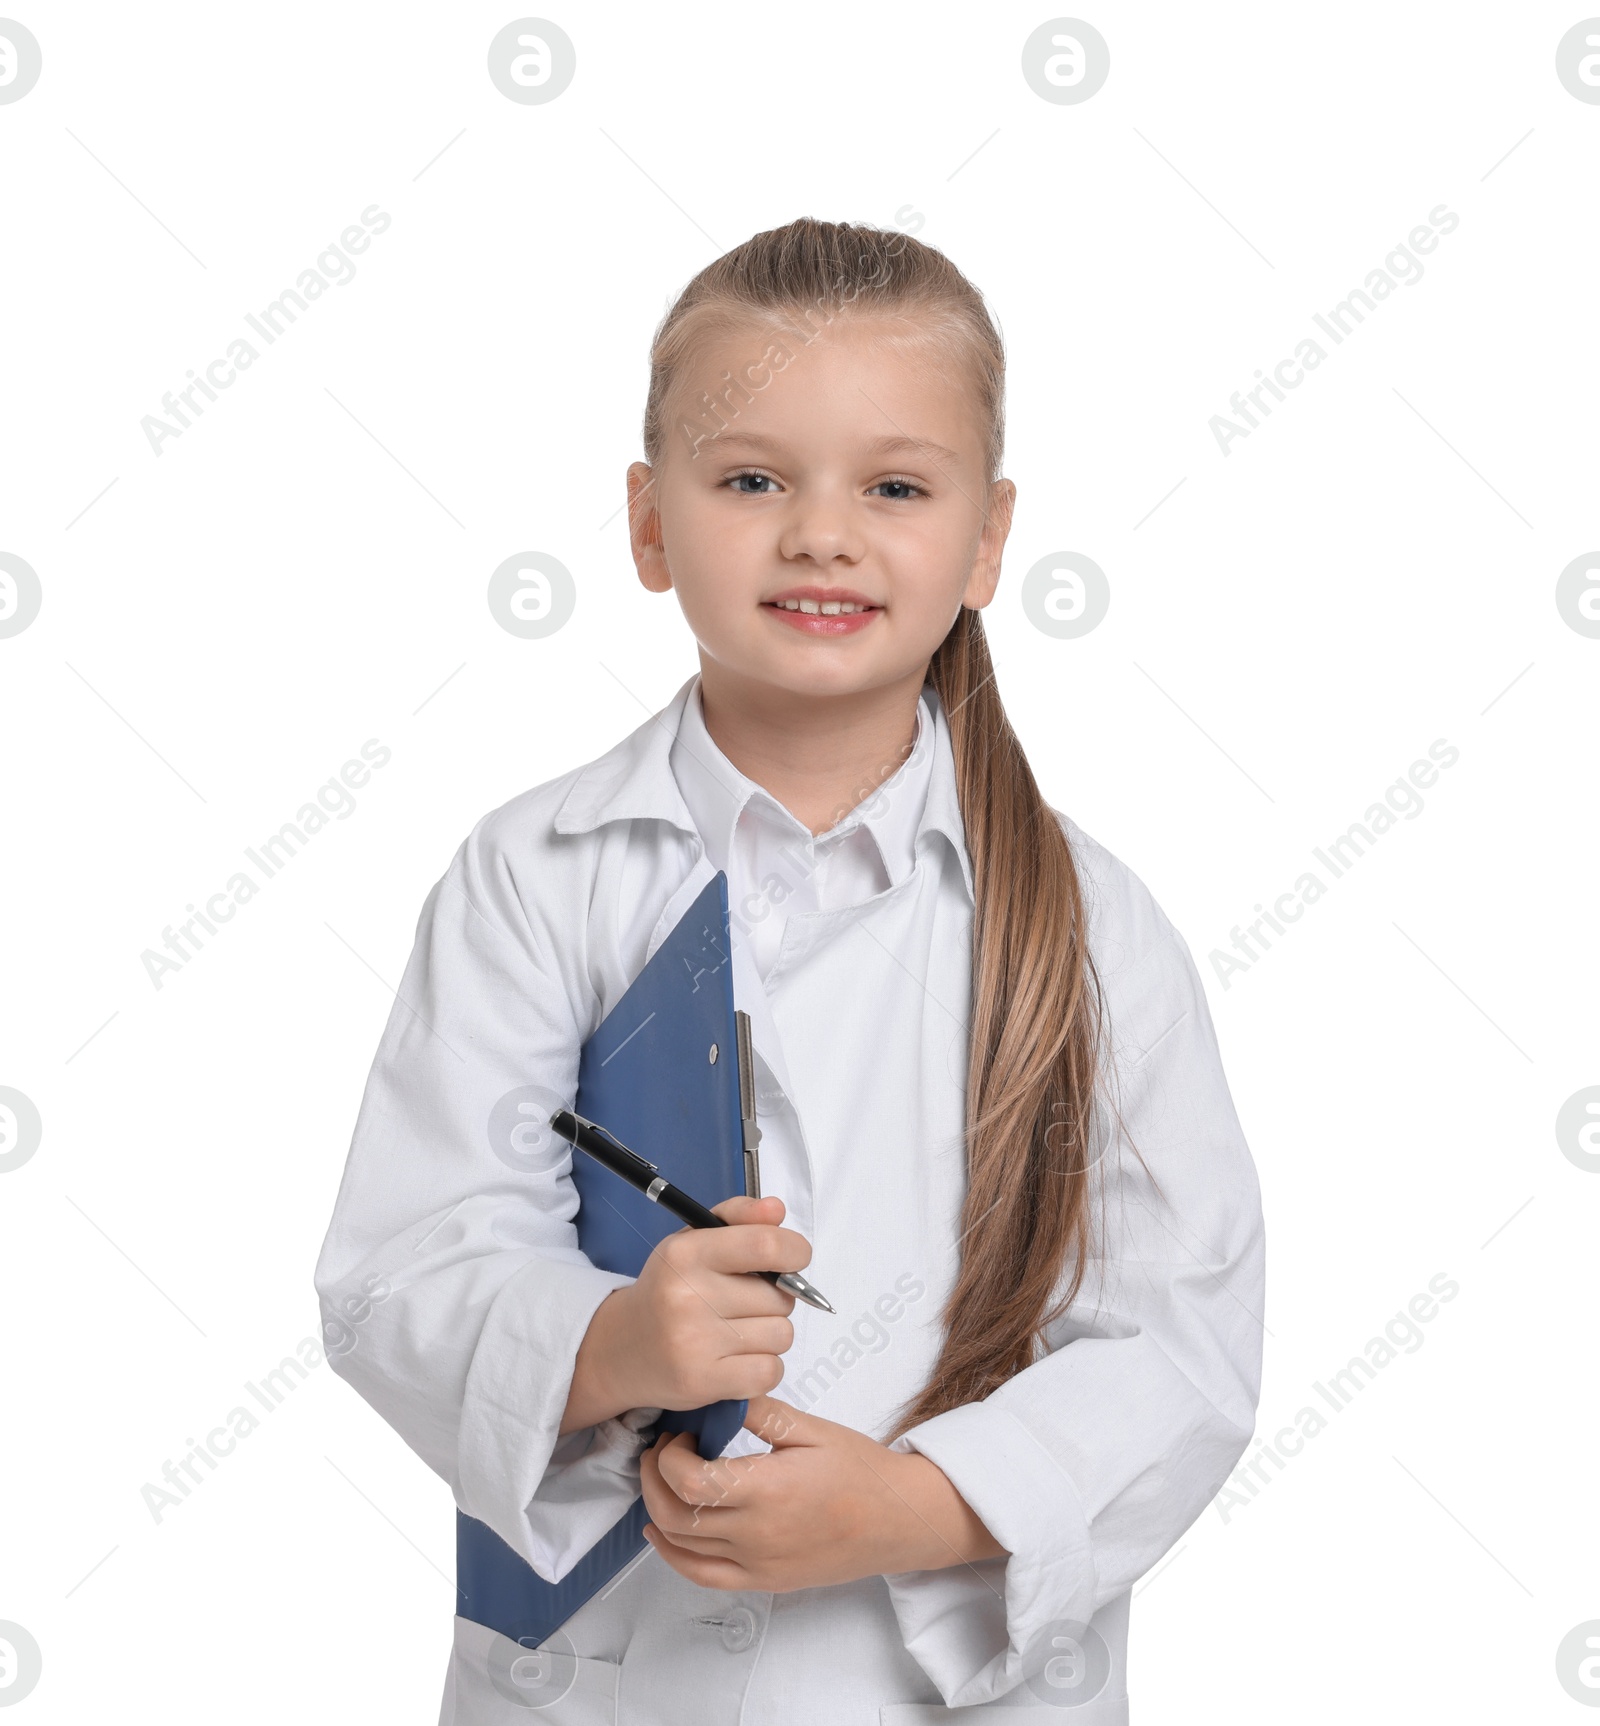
{"x":305,"y":568}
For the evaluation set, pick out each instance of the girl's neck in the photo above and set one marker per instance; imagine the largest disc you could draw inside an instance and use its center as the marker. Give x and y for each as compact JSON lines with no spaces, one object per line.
{"x":819,"y":756}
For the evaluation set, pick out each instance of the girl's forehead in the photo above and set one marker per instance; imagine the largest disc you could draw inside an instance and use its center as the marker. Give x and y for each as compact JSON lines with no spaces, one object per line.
{"x":866,"y":373}
{"x":752,"y":335}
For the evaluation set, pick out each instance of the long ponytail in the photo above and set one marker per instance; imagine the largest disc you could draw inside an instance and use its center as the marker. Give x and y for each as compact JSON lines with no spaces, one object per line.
{"x":1035,"y":1054}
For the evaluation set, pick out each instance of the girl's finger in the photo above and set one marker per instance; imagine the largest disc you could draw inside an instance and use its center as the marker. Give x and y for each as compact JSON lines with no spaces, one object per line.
{"x":677,"y":1520}
{"x":687,"y":1475}
{"x":701,"y":1545}
{"x":704,"y":1572}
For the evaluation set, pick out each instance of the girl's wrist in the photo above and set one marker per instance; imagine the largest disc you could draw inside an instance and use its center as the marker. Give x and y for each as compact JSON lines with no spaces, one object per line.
{"x":939,"y":1528}
{"x":593,"y":1395}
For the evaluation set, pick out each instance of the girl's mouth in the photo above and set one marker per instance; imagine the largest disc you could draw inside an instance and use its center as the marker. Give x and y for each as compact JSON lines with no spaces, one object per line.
{"x":822,"y":617}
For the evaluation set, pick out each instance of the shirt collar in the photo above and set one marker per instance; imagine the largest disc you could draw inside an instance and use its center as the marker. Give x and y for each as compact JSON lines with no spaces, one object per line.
{"x":718,"y":794}
{"x":634,"y":781}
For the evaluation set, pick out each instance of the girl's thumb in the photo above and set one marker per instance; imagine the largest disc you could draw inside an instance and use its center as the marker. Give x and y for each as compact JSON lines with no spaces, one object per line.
{"x":779,"y":1423}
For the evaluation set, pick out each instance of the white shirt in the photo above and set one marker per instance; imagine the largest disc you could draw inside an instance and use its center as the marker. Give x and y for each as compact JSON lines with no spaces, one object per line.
{"x":1086,"y":1467}
{"x":773,"y":863}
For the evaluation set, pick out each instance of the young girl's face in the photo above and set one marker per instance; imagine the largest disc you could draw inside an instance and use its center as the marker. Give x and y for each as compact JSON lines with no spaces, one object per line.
{"x":854,"y":470}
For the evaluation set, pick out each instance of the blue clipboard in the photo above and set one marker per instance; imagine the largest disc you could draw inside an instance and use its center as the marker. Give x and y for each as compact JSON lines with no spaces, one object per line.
{"x":664,"y":1074}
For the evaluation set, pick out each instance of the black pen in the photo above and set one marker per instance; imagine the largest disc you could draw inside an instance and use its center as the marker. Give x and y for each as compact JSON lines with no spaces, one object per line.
{"x":606,"y":1148}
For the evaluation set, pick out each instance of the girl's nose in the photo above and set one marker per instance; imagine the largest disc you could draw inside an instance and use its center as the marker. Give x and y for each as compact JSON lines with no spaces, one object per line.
{"x":823,"y":529}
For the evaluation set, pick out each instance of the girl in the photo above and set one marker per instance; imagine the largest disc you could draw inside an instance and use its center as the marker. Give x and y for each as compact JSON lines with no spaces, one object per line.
{"x":996,"y":1129}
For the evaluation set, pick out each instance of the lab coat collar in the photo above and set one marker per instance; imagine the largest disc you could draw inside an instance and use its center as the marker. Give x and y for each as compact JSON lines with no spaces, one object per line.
{"x":633,"y":780}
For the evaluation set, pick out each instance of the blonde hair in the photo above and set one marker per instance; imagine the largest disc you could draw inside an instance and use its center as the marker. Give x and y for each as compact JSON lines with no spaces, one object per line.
{"x":1037,"y":1036}
{"x":796,"y":280}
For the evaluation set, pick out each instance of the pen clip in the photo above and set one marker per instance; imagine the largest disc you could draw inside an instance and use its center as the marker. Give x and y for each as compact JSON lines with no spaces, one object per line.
{"x":606,"y":1133}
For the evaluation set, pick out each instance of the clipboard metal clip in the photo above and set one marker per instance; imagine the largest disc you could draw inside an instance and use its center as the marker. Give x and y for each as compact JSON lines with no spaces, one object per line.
{"x":747,"y":1106}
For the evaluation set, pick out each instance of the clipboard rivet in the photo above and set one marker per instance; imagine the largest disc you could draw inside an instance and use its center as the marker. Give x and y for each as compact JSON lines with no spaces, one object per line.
{"x":713,"y":1054}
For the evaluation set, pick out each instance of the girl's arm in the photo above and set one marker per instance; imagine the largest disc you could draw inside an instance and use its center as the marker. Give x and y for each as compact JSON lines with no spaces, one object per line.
{"x":486,"y":1299}
{"x":1089,"y":1465}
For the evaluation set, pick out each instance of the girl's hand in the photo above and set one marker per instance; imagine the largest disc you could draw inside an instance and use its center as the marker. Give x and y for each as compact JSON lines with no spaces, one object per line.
{"x":827,"y":1504}
{"x":695,"y":1328}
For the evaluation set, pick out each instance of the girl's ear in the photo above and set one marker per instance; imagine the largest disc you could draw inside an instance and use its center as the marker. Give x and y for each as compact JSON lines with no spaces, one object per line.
{"x":985,"y":576}
{"x":644,"y":529}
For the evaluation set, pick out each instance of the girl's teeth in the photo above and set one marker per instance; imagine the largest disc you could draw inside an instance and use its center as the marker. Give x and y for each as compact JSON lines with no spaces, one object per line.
{"x":824,"y":608}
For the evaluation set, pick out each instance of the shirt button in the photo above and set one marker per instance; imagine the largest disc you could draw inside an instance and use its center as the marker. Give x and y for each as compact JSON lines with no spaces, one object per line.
{"x":738,"y":1629}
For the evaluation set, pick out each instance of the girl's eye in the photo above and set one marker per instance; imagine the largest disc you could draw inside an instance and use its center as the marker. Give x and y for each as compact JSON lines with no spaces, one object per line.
{"x":751,"y":484}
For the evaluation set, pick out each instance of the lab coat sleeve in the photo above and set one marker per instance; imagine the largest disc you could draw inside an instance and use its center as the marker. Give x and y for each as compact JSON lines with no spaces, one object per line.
{"x":453,"y":1292}
{"x":1088,"y":1465}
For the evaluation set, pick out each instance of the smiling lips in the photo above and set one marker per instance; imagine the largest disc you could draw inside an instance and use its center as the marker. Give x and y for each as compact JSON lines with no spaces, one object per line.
{"x":823,"y":610}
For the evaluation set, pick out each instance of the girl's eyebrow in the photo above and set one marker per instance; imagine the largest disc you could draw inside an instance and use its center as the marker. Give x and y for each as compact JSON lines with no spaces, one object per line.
{"x":882,"y":446}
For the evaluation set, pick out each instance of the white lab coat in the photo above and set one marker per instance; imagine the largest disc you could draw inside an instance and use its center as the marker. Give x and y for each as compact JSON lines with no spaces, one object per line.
{"x":1086,"y":1467}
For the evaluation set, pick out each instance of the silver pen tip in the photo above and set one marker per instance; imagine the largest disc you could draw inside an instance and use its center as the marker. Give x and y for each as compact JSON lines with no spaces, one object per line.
{"x":802,"y":1290}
